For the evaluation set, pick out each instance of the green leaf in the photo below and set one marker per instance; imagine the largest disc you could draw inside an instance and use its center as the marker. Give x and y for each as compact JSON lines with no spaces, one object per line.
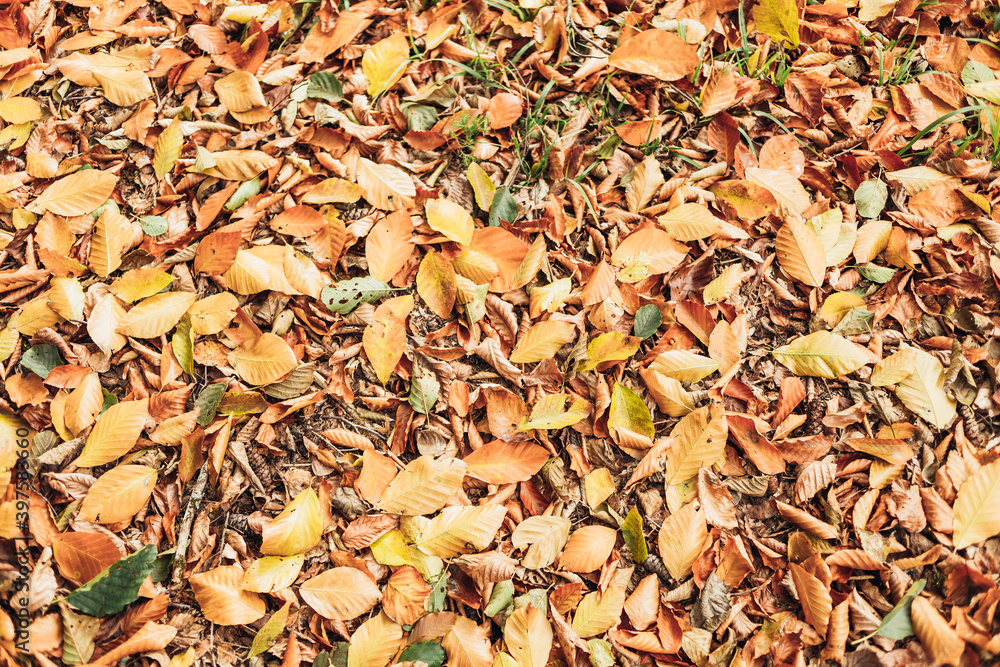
{"x":436,"y":600}
{"x":109,"y":399}
{"x":246,"y":190}
{"x":153,"y":225}
{"x":503,"y":207}
{"x":628,"y":411}
{"x":115,"y":587}
{"x":41,"y":359}
{"x":647,"y":320}
{"x":870,"y":197}
{"x":182,"y":343}
{"x":297,"y":383}
{"x":325,"y":86}
{"x":875,"y":273}
{"x":208,"y":400}
{"x":420,"y":117}
{"x":976,"y":72}
{"x":343,"y":297}
{"x":503,"y":595}
{"x":635,"y":539}
{"x":424,"y":393}
{"x":897,"y":623}
{"x":270,"y":631}
{"x":78,"y":636}
{"x":430,"y":653}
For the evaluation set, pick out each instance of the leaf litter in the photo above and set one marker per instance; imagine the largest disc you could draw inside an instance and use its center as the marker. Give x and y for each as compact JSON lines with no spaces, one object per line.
{"x":497,"y":333}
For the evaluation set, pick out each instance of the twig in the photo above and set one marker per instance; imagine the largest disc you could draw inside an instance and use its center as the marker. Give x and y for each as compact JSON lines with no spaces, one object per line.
{"x":184,"y":537}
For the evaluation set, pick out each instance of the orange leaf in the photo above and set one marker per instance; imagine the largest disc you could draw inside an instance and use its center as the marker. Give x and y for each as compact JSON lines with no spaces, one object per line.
{"x":83,"y":556}
{"x":222,"y":599}
{"x":340,"y":593}
{"x":388,"y":245}
{"x":656,"y":53}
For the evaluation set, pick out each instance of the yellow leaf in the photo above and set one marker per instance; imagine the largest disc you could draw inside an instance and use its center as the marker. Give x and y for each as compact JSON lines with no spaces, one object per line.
{"x":724,"y":285}
{"x":684,"y":365}
{"x":613,"y":346}
{"x":669,"y":394}
{"x":467,"y":645}
{"x":542,"y":341}
{"x":482,"y":186}
{"x":102,"y":325}
{"x":801,"y":253}
{"x":263,"y":360}
{"x":544,"y":537}
{"x":77,"y":194}
{"x":115,"y":433}
{"x":8,"y":341}
{"x":155,"y":316}
{"x":17,"y":110}
{"x":681,"y":540}
{"x":272,"y":573}
{"x":423,"y":487}
{"x":530,"y":265}
{"x":629,"y":420}
{"x":598,"y":487}
{"x":238,"y":165}
{"x":302,"y":274}
{"x":477,"y":267}
{"x":699,"y":442}
{"x":249,"y":274}
{"x":528,"y":636}
{"x":384,"y":63}
{"x":779,"y":20}
{"x":84,"y":403}
{"x":459,"y":530}
{"x":111,"y":233}
{"x":386,"y":187}
{"x":821,"y":354}
{"x":451,"y":220}
{"x":842,"y":249}
{"x":792,"y":198}
{"x":296,"y":529}
{"x":168,"y":148}
{"x":340,"y":593}
{"x":977,"y":507}
{"x":385,"y":341}
{"x":221,"y":599}
{"x":124,"y":88}
{"x":333,"y":191}
{"x":140,"y":284}
{"x":923,"y":391}
{"x":895,"y":368}
{"x":644,"y":185}
{"x":549,"y":298}
{"x":437,"y":284}
{"x":240,"y":91}
{"x":871,"y":240}
{"x":837,"y":305}
{"x":690,"y":222}
{"x":550,"y":412}
{"x":598,"y":612}
{"x":918,"y":179}
{"x":66,"y":298}
{"x":118,"y":494}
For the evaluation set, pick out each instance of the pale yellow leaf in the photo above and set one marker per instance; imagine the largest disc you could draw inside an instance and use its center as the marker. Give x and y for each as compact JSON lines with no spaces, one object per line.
{"x":423,"y":487}
{"x":340,"y":593}
{"x":801,"y":253}
{"x":528,"y":636}
{"x":690,"y":222}
{"x":296,"y":529}
{"x":684,"y":366}
{"x":77,"y":194}
{"x":459,"y":530}
{"x":155,"y":316}
{"x":644,"y":185}
{"x":115,"y":433}
{"x":386,"y":187}
{"x":681,"y":540}
{"x":542,"y":341}
{"x":821,"y":354}
{"x":451,"y":220}
{"x":263,"y":360}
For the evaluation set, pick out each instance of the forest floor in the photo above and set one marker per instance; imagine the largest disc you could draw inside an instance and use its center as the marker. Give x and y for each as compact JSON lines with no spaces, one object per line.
{"x":502,"y":333}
